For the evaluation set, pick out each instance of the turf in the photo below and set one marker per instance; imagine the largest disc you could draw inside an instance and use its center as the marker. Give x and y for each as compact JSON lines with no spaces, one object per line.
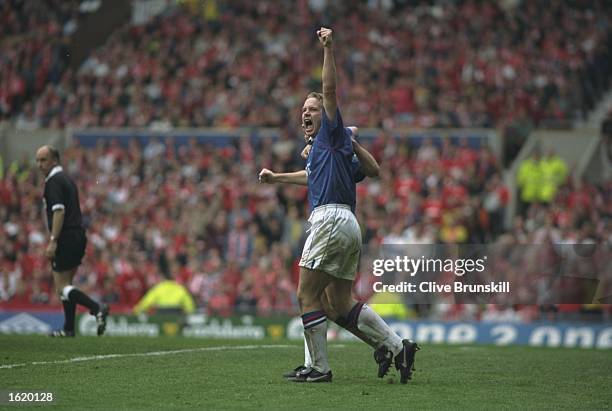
{"x":447,"y":377}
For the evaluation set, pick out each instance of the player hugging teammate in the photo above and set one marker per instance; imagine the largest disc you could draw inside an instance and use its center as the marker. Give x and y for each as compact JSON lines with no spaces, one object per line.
{"x":335,"y":162}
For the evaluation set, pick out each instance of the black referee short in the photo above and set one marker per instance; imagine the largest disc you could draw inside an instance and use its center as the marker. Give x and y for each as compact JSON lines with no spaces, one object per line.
{"x":70,"y":249}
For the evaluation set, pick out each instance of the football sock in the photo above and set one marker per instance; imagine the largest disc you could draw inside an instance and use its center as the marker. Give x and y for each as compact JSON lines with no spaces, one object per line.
{"x":315,"y":332}
{"x":73,"y":294}
{"x":69,"y":314}
{"x":370,"y":323}
{"x":307,"y":359}
{"x":352,"y":328}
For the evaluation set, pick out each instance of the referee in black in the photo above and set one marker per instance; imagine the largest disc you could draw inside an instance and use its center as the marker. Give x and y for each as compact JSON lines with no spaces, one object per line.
{"x":67,"y":241}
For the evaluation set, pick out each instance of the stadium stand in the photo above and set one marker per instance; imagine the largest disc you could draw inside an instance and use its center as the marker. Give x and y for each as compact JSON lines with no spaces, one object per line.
{"x":235,"y":244}
{"x":464,"y":64}
{"x":33,"y":53}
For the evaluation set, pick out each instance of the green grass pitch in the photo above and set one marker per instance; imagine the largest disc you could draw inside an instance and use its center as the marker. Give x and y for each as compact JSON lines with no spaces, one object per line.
{"x":182,"y":373}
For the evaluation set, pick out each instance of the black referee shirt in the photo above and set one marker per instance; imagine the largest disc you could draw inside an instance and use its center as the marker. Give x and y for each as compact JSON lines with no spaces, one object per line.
{"x":62,"y":193}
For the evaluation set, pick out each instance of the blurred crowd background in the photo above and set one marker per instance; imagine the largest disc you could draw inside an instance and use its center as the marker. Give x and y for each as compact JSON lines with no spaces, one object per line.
{"x":195,"y":212}
{"x":229,"y":63}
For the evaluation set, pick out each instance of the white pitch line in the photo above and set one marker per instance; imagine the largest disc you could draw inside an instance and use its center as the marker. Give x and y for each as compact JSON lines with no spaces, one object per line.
{"x":146,"y":354}
{"x":154,"y":354}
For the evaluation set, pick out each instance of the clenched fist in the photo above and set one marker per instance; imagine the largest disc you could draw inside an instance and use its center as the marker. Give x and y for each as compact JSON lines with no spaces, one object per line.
{"x":266,"y":176}
{"x":325,"y":36}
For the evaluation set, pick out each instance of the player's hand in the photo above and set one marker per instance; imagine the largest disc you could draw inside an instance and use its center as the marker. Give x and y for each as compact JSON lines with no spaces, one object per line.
{"x":306,"y":151}
{"x":266,"y":176}
{"x":325,"y":36}
{"x":51,"y":249}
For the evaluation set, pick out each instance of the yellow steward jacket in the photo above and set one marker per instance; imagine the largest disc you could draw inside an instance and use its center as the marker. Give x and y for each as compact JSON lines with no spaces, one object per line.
{"x":529,"y":180}
{"x":554,"y":172}
{"x":166,"y":294}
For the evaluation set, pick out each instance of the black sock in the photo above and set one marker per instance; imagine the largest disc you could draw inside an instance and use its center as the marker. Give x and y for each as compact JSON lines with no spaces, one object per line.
{"x":79,"y":297}
{"x":69,"y":314}
{"x":349,"y":323}
{"x":353,"y":315}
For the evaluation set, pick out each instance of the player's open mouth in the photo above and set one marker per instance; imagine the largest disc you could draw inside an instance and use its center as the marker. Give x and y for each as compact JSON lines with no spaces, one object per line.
{"x":308,"y":125}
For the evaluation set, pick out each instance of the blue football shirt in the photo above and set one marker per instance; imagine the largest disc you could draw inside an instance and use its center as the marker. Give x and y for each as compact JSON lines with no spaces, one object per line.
{"x":332,"y":167}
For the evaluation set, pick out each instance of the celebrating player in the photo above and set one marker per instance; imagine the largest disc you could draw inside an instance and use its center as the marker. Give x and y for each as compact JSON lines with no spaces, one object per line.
{"x":363,"y":165}
{"x":67,"y":241}
{"x":331,"y":253}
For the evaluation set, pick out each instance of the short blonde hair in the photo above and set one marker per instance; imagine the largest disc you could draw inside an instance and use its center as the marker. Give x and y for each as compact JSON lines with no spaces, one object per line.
{"x":314,"y":94}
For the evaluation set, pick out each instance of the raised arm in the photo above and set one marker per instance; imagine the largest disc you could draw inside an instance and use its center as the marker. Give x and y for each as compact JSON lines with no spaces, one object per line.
{"x":329,"y":73}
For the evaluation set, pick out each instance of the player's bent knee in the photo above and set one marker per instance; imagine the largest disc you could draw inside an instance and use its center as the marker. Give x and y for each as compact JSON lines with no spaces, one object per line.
{"x":341,"y":303}
{"x":327,"y":307}
{"x":340,"y":297}
{"x":342,"y":308}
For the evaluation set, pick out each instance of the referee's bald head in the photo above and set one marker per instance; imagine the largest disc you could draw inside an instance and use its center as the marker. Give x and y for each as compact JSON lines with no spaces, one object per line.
{"x":47,"y":157}
{"x":53,"y":152}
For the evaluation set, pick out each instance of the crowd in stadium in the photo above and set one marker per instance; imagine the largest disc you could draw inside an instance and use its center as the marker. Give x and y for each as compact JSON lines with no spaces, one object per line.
{"x":34,"y":53}
{"x":452,"y":64}
{"x":195,"y":212}
{"x":198,"y":213}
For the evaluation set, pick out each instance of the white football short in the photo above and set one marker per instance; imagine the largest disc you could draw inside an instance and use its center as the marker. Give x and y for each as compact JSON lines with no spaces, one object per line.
{"x":334,"y":241}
